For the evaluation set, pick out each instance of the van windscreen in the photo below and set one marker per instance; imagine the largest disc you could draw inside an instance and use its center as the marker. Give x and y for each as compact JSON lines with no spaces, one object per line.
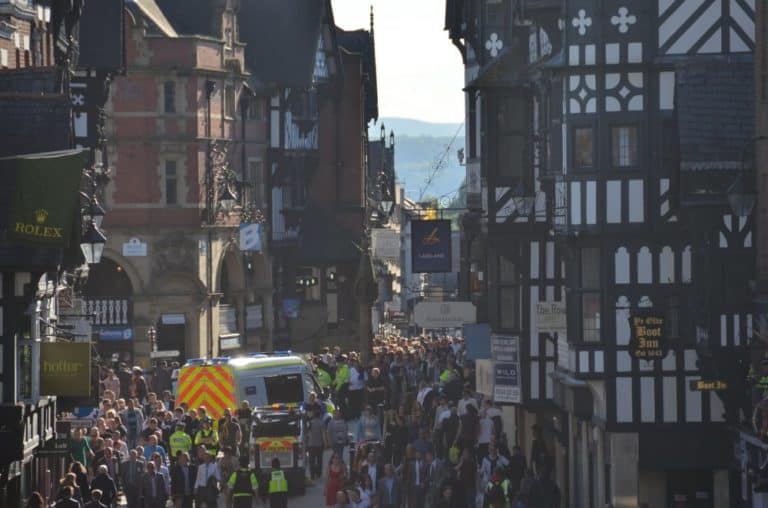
{"x":284,"y":389}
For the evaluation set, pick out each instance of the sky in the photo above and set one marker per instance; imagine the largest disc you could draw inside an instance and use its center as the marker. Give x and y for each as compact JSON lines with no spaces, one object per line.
{"x":419,"y":70}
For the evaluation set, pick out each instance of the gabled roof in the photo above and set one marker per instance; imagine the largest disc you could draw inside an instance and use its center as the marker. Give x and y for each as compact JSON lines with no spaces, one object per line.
{"x":188,"y":17}
{"x":151,"y":11}
{"x":361,"y":42}
{"x":281,"y":38}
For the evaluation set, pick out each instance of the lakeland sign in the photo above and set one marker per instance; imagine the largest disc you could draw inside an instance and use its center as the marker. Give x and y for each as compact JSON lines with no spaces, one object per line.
{"x":45,"y":195}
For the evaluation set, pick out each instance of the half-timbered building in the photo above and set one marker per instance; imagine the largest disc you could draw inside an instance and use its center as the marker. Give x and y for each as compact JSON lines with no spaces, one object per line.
{"x":603,"y":139}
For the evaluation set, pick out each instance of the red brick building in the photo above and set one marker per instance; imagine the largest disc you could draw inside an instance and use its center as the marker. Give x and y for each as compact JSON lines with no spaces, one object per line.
{"x":172,"y":245}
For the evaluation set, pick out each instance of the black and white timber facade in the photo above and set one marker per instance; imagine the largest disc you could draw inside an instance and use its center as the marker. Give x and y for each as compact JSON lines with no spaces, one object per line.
{"x":602,"y":136}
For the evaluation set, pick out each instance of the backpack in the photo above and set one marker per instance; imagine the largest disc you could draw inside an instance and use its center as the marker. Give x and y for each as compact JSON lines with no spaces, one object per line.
{"x":496,"y":495}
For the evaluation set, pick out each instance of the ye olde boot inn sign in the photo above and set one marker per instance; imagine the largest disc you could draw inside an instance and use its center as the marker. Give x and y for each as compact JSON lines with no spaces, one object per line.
{"x":647,"y":340}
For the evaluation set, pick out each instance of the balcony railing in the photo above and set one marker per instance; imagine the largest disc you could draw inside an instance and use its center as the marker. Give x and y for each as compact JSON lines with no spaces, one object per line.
{"x":114,"y":311}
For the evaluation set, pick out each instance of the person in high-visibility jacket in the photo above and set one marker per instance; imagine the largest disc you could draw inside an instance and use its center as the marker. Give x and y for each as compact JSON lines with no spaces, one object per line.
{"x":342,"y":373}
{"x":242,"y":485}
{"x":323,"y":377}
{"x":209,"y":437}
{"x":278,"y":486}
{"x":179,"y":442}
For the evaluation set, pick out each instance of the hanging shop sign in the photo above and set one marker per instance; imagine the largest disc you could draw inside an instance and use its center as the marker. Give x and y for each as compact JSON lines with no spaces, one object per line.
{"x":647,"y":341}
{"x":477,"y":341}
{"x":551,"y":318}
{"x":431,"y":246}
{"x":65,"y":368}
{"x":435,"y":315}
{"x":385,"y":244}
{"x":251,"y":237}
{"x":45,"y":196}
{"x":505,"y":352}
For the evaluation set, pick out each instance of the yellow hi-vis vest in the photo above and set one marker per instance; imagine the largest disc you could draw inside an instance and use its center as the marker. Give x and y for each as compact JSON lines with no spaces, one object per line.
{"x":277,"y":482}
{"x":180,"y":442}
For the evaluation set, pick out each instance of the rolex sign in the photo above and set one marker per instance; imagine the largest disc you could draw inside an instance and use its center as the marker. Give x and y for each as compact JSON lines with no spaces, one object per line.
{"x":65,"y":368}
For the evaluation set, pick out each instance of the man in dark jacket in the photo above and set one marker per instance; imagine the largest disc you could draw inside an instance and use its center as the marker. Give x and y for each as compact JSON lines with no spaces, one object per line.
{"x":131,"y":473}
{"x":183,"y":476}
{"x":66,"y":500}
{"x":152,"y":490}
{"x":106,"y":484}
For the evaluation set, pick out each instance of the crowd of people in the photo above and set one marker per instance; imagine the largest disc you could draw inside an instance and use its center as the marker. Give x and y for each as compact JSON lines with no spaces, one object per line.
{"x":408,"y":431}
{"x":419,"y":435}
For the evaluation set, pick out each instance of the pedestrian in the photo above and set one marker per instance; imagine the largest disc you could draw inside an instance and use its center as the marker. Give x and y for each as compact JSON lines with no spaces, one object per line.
{"x":134,"y":421}
{"x":183,"y":476}
{"x":179,"y":441}
{"x":390,"y":489}
{"x":207,"y":482}
{"x":35,"y":501}
{"x":337,"y":433}
{"x":278,"y":486}
{"x":316,"y":442}
{"x":152,"y":492}
{"x":65,"y":498}
{"x":243,"y":485}
{"x":130,"y":478}
{"x":96,"y":498}
{"x":70,"y":480}
{"x":336,"y":478}
{"x":341,"y":383}
{"x":208,"y":437}
{"x":368,"y":426}
{"x":105,"y":484}
{"x":81,"y":478}
{"x":356,"y":388}
{"x":413,"y":478}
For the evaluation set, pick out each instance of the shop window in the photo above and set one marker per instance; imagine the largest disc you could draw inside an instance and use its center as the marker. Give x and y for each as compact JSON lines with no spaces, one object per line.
{"x":624,"y":146}
{"x":583,"y":148}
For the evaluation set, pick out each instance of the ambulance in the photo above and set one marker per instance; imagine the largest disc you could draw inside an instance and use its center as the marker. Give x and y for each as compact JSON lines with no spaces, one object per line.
{"x":276,"y":386}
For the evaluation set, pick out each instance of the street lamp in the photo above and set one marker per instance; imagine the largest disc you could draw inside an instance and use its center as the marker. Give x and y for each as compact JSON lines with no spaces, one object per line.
{"x":387,"y":205}
{"x":152,"y":337}
{"x":92,"y":244}
{"x":227,"y":199}
{"x":94,"y":213}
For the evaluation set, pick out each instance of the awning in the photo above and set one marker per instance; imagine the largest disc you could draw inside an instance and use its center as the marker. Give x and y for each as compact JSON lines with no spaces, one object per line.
{"x":573,"y":395}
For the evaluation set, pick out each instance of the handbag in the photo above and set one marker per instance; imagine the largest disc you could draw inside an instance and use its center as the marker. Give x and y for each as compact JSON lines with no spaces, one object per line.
{"x":453,"y":454}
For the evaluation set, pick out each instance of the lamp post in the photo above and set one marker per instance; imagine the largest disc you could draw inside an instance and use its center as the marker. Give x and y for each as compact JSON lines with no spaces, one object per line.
{"x":210,"y":89}
{"x":152,"y":338}
{"x":92,"y":244}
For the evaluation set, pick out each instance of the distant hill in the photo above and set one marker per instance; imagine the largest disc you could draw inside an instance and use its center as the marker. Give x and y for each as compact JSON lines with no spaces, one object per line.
{"x":418,"y":147}
{"x":411,"y":127}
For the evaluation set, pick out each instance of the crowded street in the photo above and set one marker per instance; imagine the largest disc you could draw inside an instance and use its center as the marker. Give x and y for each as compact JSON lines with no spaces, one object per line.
{"x":383,"y":253}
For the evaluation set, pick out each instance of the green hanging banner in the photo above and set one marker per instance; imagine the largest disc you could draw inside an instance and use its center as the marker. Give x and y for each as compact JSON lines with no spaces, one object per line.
{"x":46,"y":191}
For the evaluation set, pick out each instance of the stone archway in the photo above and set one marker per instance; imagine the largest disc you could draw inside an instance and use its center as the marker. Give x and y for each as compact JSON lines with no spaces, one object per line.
{"x":108,"y":296}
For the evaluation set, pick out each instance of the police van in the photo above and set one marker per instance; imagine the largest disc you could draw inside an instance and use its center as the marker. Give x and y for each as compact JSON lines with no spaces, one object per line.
{"x":276,"y":385}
